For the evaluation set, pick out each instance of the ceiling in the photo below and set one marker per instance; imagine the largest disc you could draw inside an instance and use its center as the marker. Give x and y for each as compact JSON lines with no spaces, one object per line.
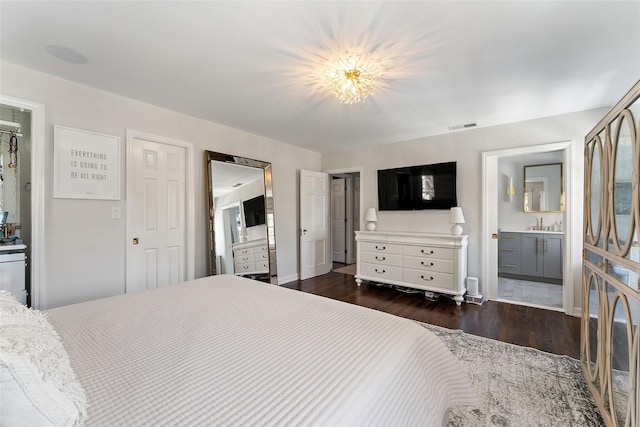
{"x":255,"y":66}
{"x":227,"y":177}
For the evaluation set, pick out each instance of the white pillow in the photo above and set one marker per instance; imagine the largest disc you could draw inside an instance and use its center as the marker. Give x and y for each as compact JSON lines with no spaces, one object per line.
{"x":37,"y":385}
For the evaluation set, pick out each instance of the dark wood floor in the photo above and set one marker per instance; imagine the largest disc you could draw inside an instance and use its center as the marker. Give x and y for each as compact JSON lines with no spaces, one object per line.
{"x":549,"y":331}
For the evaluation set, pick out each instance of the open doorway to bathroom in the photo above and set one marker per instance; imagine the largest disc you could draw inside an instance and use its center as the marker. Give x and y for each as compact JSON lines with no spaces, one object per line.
{"x":531,"y":231}
{"x":15,"y":201}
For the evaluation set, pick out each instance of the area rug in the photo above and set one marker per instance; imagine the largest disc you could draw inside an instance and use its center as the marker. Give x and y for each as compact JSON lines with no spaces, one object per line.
{"x":519,"y":386}
{"x":349,"y":269}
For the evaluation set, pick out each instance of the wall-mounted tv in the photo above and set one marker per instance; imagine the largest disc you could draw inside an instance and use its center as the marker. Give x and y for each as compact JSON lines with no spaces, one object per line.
{"x":254,"y":211}
{"x":417,"y":187}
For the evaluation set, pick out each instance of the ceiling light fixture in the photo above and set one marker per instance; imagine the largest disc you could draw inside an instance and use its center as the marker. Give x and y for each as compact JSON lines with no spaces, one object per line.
{"x":352,"y":79}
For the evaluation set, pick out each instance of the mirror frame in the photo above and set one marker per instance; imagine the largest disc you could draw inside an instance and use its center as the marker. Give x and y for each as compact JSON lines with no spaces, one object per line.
{"x":524,"y":186}
{"x":212,"y":156}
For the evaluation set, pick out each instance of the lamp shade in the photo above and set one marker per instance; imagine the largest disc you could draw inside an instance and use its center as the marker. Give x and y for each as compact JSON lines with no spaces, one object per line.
{"x":371,"y":216}
{"x":456,"y":216}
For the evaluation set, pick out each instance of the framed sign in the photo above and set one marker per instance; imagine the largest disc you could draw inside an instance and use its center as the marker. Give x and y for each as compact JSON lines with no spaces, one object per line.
{"x":86,"y":165}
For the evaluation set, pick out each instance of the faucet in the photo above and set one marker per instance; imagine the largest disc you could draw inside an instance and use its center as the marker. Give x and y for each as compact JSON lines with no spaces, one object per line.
{"x":540,"y":227}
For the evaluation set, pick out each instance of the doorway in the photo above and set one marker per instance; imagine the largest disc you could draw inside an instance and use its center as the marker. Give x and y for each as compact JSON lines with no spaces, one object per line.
{"x":27,"y":188}
{"x":345,"y":221}
{"x":515,"y":243}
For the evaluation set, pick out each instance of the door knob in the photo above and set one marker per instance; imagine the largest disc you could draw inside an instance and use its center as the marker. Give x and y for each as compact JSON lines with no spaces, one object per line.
{"x":135,"y":241}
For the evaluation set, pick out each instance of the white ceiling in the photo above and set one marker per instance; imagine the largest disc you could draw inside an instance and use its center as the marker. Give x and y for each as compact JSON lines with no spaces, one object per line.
{"x":227,"y":177}
{"x":255,"y":65}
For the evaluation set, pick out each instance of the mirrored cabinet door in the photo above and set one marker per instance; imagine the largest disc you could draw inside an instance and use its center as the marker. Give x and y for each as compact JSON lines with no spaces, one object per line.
{"x":611,"y":265}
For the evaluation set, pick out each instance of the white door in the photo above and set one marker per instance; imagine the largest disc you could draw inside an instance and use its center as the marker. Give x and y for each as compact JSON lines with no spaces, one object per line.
{"x":338,"y":220}
{"x":156,"y":233}
{"x":230,"y":220}
{"x":315,"y":251}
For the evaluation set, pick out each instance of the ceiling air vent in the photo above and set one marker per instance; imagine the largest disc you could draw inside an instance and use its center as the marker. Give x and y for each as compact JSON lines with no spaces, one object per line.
{"x":465,"y":126}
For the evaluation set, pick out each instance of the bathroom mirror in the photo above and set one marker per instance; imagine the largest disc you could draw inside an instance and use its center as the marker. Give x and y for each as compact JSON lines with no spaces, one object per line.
{"x":241,"y":229}
{"x":543,"y":189}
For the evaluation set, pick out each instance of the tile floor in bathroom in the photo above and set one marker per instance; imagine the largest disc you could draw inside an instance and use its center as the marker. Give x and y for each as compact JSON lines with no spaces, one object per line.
{"x":538,"y":293}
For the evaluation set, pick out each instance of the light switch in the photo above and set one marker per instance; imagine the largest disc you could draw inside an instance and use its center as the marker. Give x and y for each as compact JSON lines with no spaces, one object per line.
{"x":116,"y":212}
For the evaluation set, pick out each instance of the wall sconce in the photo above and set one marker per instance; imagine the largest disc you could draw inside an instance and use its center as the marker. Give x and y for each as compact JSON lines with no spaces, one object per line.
{"x":456,"y":218}
{"x":371,"y":218}
{"x":511,"y":190}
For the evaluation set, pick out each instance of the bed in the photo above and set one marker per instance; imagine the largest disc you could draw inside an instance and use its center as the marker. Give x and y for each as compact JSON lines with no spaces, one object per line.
{"x":226,"y":350}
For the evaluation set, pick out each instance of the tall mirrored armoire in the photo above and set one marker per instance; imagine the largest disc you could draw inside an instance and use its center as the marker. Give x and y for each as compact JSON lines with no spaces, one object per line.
{"x":611,"y":262}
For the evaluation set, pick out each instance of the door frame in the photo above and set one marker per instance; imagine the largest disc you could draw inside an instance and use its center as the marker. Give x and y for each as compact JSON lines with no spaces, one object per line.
{"x":490,"y":186}
{"x":130,"y":136}
{"x":38,"y":194}
{"x":360,"y":172}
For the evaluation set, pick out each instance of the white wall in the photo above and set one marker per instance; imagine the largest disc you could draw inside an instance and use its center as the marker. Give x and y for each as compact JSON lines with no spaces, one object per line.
{"x":85,"y":247}
{"x":466,"y":148}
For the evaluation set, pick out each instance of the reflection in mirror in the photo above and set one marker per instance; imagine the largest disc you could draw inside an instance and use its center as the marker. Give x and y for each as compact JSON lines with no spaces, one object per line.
{"x":620,"y":356}
{"x":592,"y":329}
{"x":543,"y":190}
{"x":594,"y":185}
{"x":240,"y":213}
{"x":622,"y":205}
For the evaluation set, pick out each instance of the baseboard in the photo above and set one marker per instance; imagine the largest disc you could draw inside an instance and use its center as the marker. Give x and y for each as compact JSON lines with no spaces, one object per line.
{"x":287,"y":279}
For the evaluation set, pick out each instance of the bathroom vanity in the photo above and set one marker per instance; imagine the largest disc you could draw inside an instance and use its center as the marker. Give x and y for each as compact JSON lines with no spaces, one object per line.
{"x":531,"y":255}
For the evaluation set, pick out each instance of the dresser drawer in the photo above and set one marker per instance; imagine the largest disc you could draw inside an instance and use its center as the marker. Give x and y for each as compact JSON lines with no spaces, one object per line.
{"x":245,"y":251}
{"x":240,"y":258}
{"x":381,"y":258}
{"x":429,"y":279}
{"x":247,"y":267}
{"x":387,"y":248}
{"x":429,"y":251}
{"x":429,"y":264}
{"x":381,"y":271}
{"x":261,"y":256}
{"x":262,"y":266}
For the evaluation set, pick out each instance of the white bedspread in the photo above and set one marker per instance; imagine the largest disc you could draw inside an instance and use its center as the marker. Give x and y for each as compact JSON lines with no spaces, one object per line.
{"x":225,"y":350}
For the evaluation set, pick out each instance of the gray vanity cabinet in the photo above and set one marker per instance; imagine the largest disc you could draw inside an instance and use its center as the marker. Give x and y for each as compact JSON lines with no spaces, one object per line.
{"x":542,"y":255}
{"x":510,"y":250}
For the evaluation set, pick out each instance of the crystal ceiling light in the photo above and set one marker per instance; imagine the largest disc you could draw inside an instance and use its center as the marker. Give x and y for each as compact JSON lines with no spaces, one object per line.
{"x":351,"y":79}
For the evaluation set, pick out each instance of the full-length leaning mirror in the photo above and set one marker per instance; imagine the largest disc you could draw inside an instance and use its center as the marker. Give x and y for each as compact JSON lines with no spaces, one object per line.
{"x":241,"y":238}
{"x":543,"y":190}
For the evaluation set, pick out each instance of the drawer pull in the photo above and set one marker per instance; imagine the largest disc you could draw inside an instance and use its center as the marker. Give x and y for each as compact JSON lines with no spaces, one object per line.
{"x":508,"y":250}
{"x":427,"y":253}
{"x":507,"y":237}
{"x":511,"y":266}
{"x":381,"y":259}
{"x":379,"y":271}
{"x":430,"y":264}
{"x":381,"y":248}
{"x":424,"y":278}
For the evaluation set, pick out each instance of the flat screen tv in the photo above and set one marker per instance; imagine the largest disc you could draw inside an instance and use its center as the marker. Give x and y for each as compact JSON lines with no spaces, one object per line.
{"x":417,"y":187}
{"x":254,"y":211}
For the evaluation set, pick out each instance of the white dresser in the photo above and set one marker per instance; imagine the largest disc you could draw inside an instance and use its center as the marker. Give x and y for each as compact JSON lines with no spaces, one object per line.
{"x":251,"y":257}
{"x":436,"y":263}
